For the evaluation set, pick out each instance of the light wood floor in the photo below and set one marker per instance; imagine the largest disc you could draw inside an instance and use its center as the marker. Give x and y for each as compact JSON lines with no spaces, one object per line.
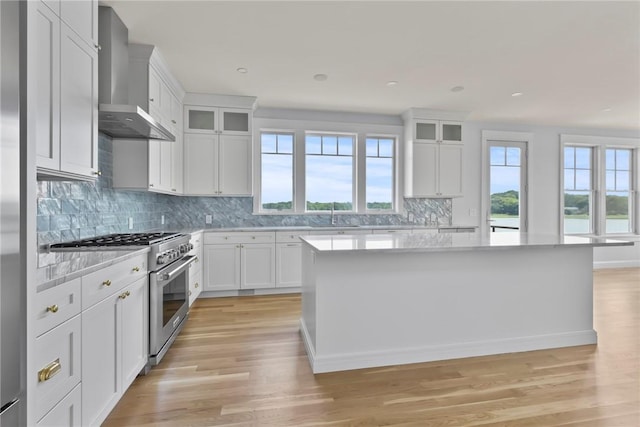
{"x":241,"y":362}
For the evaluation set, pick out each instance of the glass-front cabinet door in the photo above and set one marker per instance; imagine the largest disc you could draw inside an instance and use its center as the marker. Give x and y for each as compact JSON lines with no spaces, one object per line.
{"x":200,"y":119}
{"x":451,"y":132}
{"x":235,"y":121}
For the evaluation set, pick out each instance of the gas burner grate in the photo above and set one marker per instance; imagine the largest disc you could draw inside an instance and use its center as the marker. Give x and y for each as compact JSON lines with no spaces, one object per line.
{"x":120,"y":239}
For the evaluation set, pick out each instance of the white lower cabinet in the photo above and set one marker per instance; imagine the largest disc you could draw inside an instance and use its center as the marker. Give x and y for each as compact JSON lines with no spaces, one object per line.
{"x":67,"y":413}
{"x":114,"y":349}
{"x":288,"y":265}
{"x":239,"y":261}
{"x":58,"y":361}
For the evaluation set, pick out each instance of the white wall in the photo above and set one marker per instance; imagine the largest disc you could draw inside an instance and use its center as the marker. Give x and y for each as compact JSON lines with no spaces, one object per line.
{"x":544,"y":178}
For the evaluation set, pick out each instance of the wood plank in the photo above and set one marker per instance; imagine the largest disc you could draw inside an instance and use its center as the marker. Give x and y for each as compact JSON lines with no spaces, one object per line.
{"x":240,"y":361}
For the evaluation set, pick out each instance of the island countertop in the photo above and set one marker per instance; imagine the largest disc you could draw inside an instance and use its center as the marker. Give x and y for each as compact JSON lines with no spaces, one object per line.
{"x":439,"y":242}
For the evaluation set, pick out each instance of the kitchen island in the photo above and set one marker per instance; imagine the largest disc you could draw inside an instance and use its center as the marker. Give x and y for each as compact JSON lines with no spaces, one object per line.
{"x":377,"y":300}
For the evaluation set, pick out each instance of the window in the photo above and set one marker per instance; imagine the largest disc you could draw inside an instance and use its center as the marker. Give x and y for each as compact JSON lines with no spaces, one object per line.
{"x":277,"y":171}
{"x":600,"y":185}
{"x":578,"y":190}
{"x":507,"y":185}
{"x":379,"y":173}
{"x":329,"y":182}
{"x":618,"y":185}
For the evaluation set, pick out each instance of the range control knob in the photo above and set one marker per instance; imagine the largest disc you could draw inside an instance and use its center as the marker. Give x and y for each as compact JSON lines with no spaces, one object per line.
{"x":161,"y":259}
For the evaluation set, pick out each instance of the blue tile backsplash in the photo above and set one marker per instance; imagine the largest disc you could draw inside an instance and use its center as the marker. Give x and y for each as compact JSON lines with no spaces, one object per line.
{"x":75,"y":210}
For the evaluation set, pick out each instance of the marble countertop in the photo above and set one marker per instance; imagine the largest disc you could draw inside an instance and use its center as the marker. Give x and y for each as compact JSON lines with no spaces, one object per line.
{"x":63,"y":266}
{"x":323,"y":228}
{"x":440,"y":242}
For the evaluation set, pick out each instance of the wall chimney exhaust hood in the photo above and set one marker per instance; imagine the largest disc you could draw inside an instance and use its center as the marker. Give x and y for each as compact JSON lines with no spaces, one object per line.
{"x":116,"y":116}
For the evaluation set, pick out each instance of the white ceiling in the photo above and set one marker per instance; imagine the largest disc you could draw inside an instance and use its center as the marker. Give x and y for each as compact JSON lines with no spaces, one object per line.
{"x":571,"y":60}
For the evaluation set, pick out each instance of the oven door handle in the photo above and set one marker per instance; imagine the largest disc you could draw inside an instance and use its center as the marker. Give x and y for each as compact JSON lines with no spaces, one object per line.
{"x":163,"y":277}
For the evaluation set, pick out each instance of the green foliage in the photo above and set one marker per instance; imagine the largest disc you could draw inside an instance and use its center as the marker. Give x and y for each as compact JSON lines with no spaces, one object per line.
{"x":379,"y":206}
{"x":326,"y":206}
{"x":578,"y":204}
{"x":278,"y":206}
{"x":506,"y":203}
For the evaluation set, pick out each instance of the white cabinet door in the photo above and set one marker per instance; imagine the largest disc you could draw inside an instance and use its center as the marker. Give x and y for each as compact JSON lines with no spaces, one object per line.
{"x":200,"y":164}
{"x":155,"y":163}
{"x":47,"y":81}
{"x":425,"y":169}
{"x":450,"y":170}
{"x":222,"y":267}
{"x":201,"y":119}
{"x":82,"y":17}
{"x":166,"y":161}
{"x":177,"y":159}
{"x":78,"y":105}
{"x":101,"y":361}
{"x":234,"y":165}
{"x":235,"y":121}
{"x":67,"y":413}
{"x":258,"y":266}
{"x":154,"y":93}
{"x":134,"y":326}
{"x":288,"y":265}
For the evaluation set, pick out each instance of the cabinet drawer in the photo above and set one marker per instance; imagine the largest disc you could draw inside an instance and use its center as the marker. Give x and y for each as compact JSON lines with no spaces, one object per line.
{"x":223,"y":238}
{"x":102,"y":283}
{"x":289,"y":236}
{"x":66,"y":413}
{"x":57,"y":358}
{"x":56,"y":305}
{"x":196,"y":266}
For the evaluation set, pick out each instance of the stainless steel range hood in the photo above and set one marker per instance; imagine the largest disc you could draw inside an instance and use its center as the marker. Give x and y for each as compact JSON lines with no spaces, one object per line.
{"x":116,"y":116}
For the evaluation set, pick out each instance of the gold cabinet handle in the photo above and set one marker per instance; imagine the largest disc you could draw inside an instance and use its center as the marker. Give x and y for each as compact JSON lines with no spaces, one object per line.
{"x":97,"y":173}
{"x":124,"y":295}
{"x":196,"y":285}
{"x":136,"y":269}
{"x":106,"y":283}
{"x":49,"y":371}
{"x":53,"y":308}
{"x":197,"y":259}
{"x":189,"y":292}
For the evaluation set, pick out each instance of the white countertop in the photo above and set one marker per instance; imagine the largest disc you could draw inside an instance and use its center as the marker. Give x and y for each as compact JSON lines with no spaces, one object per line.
{"x":438,"y":242}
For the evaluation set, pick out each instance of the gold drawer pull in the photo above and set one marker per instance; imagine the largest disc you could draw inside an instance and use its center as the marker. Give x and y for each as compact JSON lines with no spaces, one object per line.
{"x":196,"y":285}
{"x":106,"y":283}
{"x":136,"y":269}
{"x":49,"y":371}
{"x":53,"y":308}
{"x":197,"y":259}
{"x":189,"y":292}
{"x":124,"y":295}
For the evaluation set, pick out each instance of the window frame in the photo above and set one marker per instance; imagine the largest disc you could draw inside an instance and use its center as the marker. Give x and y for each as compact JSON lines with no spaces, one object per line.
{"x":594,"y":202}
{"x":360,"y":131}
{"x":258,"y":197}
{"x":394,"y":174}
{"x":354,"y":169}
{"x":599,"y":146}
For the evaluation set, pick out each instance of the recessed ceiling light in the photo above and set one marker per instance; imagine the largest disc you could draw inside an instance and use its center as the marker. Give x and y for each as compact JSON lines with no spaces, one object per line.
{"x":516,"y":94}
{"x":320,"y":77}
{"x":606,"y":110}
{"x":457,"y":89}
{"x":392,"y":83}
{"x":242,"y":70}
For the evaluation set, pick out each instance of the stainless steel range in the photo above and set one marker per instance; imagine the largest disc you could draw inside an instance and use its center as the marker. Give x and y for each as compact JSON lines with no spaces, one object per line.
{"x":168,"y":280}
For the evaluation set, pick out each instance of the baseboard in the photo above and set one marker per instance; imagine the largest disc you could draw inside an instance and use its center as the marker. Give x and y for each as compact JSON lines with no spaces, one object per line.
{"x":343,"y":362}
{"x":601,"y":265}
{"x":246,"y":292}
{"x":308,"y":344}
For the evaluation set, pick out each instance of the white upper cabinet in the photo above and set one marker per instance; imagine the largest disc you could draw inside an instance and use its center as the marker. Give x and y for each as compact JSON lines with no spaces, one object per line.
{"x":82,"y":18}
{"x":153,"y":165}
{"x":433,"y":153}
{"x":218,"y":145}
{"x":216,"y":120}
{"x":64,"y":99}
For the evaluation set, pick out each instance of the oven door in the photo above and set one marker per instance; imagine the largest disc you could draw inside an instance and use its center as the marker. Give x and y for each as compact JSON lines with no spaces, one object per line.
{"x":168,"y":306}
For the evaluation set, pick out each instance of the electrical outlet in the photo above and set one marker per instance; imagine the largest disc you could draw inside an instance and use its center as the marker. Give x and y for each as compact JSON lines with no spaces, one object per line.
{"x":208,"y":219}
{"x":162,"y":219}
{"x":130,"y":223}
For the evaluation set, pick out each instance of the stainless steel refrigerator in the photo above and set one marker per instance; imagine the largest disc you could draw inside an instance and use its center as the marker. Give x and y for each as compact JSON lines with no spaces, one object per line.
{"x":12,"y":289}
